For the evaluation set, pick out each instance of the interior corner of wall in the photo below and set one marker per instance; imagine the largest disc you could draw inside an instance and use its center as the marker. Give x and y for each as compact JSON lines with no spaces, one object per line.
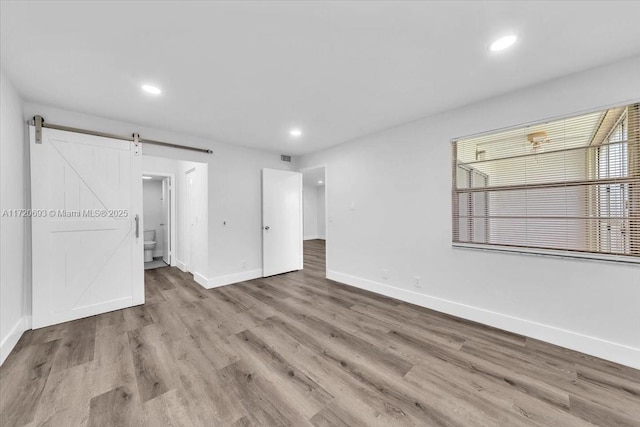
{"x":201,"y":280}
{"x":181,"y":266}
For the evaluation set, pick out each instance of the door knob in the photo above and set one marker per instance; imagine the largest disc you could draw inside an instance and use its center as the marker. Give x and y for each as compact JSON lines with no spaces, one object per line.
{"x":266,"y":227}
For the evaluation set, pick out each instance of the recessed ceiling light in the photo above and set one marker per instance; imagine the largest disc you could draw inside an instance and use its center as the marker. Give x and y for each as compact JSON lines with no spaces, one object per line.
{"x":295,"y":132}
{"x":320,"y":182}
{"x":154,"y":90}
{"x":503,"y":42}
{"x":147,"y":177}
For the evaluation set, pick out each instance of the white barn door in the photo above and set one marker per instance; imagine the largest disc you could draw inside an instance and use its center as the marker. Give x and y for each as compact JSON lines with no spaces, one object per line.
{"x":86,"y":193}
{"x":282,"y":226}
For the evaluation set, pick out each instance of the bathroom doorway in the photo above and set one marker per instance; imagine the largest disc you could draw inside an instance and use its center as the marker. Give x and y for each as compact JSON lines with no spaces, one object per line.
{"x":182,"y":240}
{"x":158,"y":219}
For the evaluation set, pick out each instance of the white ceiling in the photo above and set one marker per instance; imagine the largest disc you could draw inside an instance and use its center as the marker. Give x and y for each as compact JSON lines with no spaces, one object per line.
{"x":246,"y":72}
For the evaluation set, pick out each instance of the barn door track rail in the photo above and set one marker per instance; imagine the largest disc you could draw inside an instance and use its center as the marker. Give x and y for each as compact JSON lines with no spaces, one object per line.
{"x":39,"y":123}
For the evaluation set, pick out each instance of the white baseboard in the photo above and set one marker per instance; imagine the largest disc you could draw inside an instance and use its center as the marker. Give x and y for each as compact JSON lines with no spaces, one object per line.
{"x":619,"y":353}
{"x":321,"y":237}
{"x":229,"y":279}
{"x":314,"y":237}
{"x":181,"y":265}
{"x":201,"y":280}
{"x":10,"y":341}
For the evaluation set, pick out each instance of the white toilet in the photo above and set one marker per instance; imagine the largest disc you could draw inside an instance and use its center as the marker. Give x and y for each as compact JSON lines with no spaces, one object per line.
{"x":149,"y":244}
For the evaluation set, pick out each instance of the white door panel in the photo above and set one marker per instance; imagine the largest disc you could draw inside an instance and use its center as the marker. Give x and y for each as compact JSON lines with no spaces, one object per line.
{"x":88,"y":261}
{"x":282,"y":226}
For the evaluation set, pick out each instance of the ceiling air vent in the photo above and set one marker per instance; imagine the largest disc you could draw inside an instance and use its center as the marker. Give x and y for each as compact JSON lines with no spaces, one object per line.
{"x":285,"y":158}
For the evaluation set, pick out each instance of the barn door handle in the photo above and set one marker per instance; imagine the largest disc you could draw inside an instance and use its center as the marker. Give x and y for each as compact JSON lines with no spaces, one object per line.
{"x":137,"y":226}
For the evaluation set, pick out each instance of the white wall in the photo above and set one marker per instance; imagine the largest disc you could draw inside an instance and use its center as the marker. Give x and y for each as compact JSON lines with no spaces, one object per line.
{"x":399,"y":182}
{"x":152,"y":211}
{"x":310,"y":209}
{"x":235,"y":198}
{"x":322,"y":223}
{"x":314,"y":211}
{"x":314,"y":203}
{"x":199,"y":191}
{"x":233,"y":185}
{"x":15,"y":276}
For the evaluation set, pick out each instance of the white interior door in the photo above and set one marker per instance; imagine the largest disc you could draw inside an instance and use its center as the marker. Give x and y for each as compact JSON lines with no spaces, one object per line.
{"x":86,"y":193}
{"x":282,"y":225}
{"x":166,"y":219}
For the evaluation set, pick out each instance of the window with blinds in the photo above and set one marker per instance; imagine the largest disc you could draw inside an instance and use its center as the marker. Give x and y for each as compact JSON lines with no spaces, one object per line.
{"x":570,"y":185}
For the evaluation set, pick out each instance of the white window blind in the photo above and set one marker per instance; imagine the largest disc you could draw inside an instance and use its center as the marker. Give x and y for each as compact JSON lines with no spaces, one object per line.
{"x":569,"y":185}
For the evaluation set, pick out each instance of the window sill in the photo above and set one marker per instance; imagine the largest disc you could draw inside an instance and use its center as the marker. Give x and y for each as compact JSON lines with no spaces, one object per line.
{"x":550,"y":253}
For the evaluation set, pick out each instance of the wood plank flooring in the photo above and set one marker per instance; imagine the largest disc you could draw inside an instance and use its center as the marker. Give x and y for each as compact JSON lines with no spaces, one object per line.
{"x":296,"y":350}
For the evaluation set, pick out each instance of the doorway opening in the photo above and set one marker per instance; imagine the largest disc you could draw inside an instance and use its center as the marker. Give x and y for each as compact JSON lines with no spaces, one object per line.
{"x":180,"y":222}
{"x":315,"y":215}
{"x":158,"y":219}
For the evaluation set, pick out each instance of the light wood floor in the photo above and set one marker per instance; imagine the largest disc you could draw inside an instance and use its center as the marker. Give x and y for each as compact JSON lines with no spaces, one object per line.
{"x":298,"y":350}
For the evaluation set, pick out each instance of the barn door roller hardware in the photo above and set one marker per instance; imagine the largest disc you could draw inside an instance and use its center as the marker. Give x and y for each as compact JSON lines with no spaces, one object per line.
{"x":39,"y":123}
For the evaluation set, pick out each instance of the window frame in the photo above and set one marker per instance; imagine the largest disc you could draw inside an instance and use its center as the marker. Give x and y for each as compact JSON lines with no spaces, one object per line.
{"x":544,"y":252}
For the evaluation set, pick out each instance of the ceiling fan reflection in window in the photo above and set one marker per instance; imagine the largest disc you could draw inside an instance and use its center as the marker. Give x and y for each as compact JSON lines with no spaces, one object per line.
{"x":537,"y":140}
